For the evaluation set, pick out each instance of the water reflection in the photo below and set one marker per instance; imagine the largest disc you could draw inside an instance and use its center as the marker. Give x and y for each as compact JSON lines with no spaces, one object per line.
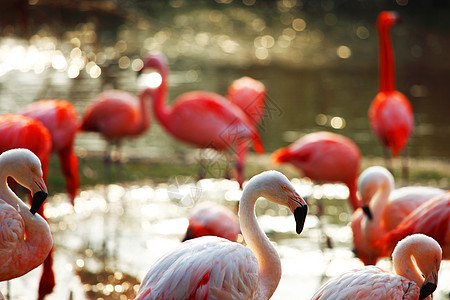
{"x":107,"y":242}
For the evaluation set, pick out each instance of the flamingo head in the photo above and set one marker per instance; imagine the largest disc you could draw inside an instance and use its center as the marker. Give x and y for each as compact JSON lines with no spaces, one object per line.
{"x":157,"y":61}
{"x":370,"y":182}
{"x":278,"y":189}
{"x":386,"y":19}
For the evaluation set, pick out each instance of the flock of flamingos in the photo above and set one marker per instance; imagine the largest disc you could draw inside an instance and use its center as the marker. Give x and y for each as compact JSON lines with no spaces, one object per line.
{"x":411,"y":224}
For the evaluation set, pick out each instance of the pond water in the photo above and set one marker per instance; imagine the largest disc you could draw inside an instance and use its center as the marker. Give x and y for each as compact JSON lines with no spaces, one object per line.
{"x":124,"y":229}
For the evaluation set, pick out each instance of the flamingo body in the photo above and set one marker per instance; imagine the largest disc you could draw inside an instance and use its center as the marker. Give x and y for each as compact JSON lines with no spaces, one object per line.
{"x":206,"y":120}
{"x":324,"y":157}
{"x":221,"y":268}
{"x":250,"y":95}
{"x":431,"y":218}
{"x":209,"y":218}
{"x":61,"y":119}
{"x":216,"y":268}
{"x":25,"y":238}
{"x":115,"y":115}
{"x":390,"y":113}
{"x":406,"y":282}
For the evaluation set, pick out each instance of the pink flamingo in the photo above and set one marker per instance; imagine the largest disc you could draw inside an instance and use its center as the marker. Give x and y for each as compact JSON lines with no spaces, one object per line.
{"x":412,"y":253}
{"x":431,"y":218}
{"x":61,"y":119}
{"x":383,"y":208}
{"x":117,"y":115}
{"x":25,"y":237}
{"x":250,"y":95}
{"x":18,"y":131}
{"x":209,"y":218}
{"x":213,"y":267}
{"x":204,"y":119}
{"x":324,"y":157}
{"x":390,"y":113}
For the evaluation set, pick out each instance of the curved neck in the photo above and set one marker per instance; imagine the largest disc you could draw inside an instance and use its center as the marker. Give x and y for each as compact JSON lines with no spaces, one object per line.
{"x":386,"y":59}
{"x":145,"y":111}
{"x":353,"y":196}
{"x":37,"y":240}
{"x":404,"y":265}
{"x":160,"y":108}
{"x":377,"y":206}
{"x":268,"y":259}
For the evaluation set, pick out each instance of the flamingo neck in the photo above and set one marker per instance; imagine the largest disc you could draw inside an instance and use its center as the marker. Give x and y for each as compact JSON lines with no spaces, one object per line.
{"x":268,"y":259}
{"x":386,"y":59}
{"x":145,"y":111}
{"x":353,"y":197}
{"x":377,"y":204}
{"x":161,"y":109}
{"x":37,"y":238}
{"x":404,"y":265}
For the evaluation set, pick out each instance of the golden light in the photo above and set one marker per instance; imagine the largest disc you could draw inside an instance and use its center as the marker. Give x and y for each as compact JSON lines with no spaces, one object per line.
{"x":344,"y":52}
{"x":151,"y":80}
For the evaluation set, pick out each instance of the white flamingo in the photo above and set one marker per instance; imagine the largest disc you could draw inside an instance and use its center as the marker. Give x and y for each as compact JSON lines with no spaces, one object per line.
{"x":25,"y":237}
{"x":215,"y":268}
{"x":415,"y":253}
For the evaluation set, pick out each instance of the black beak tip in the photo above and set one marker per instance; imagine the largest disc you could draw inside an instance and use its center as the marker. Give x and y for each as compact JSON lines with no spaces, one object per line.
{"x":426,"y":290}
{"x":367,"y":211}
{"x":300,"y":217}
{"x":38,"y":199}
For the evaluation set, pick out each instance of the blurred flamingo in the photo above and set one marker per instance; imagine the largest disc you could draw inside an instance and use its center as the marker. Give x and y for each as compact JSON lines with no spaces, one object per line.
{"x":61,"y":119}
{"x":18,"y":131}
{"x":25,"y":238}
{"x":209,"y":218}
{"x":390,"y":113}
{"x":250,"y":95}
{"x":324,"y":157}
{"x":431,"y":218}
{"x":215,"y":268}
{"x":383,"y":208}
{"x":117,"y":115}
{"x":204,"y":119}
{"x":413,"y":254}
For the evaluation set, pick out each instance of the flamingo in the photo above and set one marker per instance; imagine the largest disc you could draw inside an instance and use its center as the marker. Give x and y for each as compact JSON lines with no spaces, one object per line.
{"x":324,"y":157}
{"x":412,"y":253}
{"x":390,"y":113}
{"x":383,"y":208}
{"x":250,"y":95}
{"x":117,"y":115}
{"x":25,"y":237}
{"x":431,"y":218}
{"x":61,"y":119}
{"x":204,"y":119}
{"x":209,"y":218}
{"x":215,"y":268}
{"x":20,"y":131}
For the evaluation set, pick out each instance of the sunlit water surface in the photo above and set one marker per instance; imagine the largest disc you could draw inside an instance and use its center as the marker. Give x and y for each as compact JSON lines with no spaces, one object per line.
{"x":125,"y":229}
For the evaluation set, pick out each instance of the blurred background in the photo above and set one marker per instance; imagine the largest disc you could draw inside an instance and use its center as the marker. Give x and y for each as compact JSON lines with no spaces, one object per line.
{"x":319,"y":63}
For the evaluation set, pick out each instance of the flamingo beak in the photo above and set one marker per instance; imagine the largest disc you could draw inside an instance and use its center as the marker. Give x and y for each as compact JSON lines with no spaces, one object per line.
{"x":299,"y":208}
{"x":367,"y":211}
{"x":39,"y":191}
{"x":429,"y":285}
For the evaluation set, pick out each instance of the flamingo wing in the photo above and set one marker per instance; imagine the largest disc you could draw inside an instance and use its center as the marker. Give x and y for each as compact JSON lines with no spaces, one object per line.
{"x":403,"y":201}
{"x":202,"y":268}
{"x":431,"y":218}
{"x":368,"y":283}
{"x":12,"y":228}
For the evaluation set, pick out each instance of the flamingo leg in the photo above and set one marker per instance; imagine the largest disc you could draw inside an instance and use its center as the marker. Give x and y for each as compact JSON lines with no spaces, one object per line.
{"x":388,"y":159}
{"x":405,"y":165}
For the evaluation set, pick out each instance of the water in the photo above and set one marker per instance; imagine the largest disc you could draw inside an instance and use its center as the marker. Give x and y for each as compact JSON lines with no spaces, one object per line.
{"x":124,"y":229}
